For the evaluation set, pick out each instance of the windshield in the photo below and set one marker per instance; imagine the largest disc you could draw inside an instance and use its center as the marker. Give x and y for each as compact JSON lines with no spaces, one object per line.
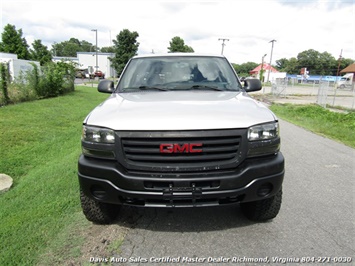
{"x":179,"y":73}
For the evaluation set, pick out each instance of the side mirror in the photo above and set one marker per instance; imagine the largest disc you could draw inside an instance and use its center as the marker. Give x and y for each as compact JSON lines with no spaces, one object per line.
{"x":252,"y":85}
{"x":106,"y":86}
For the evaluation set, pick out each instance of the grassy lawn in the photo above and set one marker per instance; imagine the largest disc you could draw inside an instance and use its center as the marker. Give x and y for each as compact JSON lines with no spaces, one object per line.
{"x":40,"y":145}
{"x":335,"y":125}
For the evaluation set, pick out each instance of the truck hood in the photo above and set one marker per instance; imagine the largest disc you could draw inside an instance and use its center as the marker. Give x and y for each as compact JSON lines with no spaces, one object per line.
{"x":179,"y":110}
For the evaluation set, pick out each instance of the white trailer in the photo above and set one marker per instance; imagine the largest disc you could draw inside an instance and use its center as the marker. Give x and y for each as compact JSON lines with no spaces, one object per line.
{"x":18,"y":67}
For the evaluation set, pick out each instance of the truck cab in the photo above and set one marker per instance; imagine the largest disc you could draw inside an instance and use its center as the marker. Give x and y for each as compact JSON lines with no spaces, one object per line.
{"x":345,"y":81}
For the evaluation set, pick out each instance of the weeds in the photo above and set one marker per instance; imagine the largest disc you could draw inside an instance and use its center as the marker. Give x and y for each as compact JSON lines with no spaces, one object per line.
{"x":336,"y":125}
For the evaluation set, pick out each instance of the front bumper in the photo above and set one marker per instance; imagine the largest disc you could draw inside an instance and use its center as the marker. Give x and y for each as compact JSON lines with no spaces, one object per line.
{"x":254,"y":179}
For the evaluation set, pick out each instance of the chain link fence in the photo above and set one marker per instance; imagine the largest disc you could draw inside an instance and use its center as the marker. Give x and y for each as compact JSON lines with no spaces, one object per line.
{"x":323,"y":93}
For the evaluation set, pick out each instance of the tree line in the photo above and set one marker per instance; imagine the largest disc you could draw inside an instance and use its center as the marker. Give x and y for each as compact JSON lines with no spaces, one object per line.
{"x":126,"y":46}
{"x":317,"y":63}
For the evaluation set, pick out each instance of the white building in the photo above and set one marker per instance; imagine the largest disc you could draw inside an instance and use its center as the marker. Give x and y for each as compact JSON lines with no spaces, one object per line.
{"x":17,"y":67}
{"x":66,"y":59}
{"x":87,"y":60}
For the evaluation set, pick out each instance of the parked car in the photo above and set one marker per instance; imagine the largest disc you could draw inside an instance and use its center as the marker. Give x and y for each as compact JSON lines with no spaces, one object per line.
{"x":99,"y":74}
{"x":80,"y":74}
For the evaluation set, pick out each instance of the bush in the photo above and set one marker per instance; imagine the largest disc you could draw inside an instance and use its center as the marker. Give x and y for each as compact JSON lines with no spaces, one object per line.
{"x":54,"y":79}
{"x":51,"y":80}
{"x":4,"y":96}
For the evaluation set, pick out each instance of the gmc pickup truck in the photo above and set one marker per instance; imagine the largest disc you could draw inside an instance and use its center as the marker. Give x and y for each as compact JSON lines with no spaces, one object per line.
{"x":179,"y":130}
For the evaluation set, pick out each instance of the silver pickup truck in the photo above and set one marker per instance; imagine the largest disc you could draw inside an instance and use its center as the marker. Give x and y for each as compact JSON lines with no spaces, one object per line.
{"x":180,"y":130}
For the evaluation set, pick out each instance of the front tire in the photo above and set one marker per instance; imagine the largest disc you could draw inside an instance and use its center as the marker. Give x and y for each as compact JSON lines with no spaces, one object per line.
{"x":98,"y":212}
{"x":262,"y":210}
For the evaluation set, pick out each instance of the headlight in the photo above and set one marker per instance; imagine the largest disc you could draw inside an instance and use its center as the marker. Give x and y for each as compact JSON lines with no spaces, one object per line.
{"x":264,"y":131}
{"x":98,"y":135}
{"x":263,"y":140}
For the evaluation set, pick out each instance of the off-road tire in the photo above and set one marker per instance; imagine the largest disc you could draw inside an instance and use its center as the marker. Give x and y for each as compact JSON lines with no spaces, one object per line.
{"x":262,"y":210}
{"x":98,"y":212}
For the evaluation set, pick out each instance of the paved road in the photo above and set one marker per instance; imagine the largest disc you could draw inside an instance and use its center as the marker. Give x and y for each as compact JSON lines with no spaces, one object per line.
{"x":316,"y":219}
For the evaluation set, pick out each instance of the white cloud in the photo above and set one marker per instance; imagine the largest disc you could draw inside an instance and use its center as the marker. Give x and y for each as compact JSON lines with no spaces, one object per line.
{"x":249,"y":25}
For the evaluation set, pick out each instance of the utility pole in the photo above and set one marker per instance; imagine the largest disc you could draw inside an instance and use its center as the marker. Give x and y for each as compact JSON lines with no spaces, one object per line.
{"x":223,"y":44}
{"x":262,"y":68}
{"x":272,"y":49}
{"x":55,"y":51}
{"x":97,"y":64}
{"x":339,"y":61}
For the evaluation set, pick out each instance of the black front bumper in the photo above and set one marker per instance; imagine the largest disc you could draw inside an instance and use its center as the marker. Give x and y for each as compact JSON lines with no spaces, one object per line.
{"x":254,"y":179}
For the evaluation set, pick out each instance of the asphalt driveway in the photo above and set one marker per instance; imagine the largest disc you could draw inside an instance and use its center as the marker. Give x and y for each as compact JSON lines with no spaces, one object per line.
{"x":316,"y":222}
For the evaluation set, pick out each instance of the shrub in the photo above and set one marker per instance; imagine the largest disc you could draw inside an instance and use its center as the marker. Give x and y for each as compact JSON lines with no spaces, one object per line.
{"x":54,"y":79}
{"x":51,"y":80}
{"x":4,"y":99}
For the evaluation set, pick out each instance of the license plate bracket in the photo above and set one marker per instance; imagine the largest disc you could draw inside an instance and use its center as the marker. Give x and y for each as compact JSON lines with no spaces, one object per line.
{"x":182,"y":193}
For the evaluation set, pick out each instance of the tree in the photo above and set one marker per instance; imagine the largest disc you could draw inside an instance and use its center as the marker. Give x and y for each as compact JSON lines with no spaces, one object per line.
{"x":125,"y":47}
{"x":71,"y":47}
{"x":109,"y":49}
{"x":309,"y":60}
{"x":178,"y":45}
{"x":289,"y":66}
{"x":317,"y":63}
{"x":12,"y":42}
{"x":40,"y":53}
{"x":281,"y":63}
{"x":328,"y":64}
{"x":65,"y":48}
{"x":245,"y":68}
{"x":86,"y":46}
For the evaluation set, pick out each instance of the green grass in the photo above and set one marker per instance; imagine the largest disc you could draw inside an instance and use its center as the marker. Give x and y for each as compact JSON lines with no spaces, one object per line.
{"x":339,"y":126}
{"x":40,"y":145}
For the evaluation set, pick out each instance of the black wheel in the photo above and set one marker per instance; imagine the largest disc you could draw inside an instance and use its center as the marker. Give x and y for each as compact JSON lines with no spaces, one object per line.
{"x":342,"y":86}
{"x":262,"y":210}
{"x":98,"y":212}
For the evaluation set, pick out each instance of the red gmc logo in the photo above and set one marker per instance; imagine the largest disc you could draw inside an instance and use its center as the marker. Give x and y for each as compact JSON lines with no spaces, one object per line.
{"x":183,"y":148}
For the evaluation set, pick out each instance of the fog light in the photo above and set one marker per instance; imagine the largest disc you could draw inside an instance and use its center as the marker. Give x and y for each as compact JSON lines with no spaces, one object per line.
{"x":264,"y":189}
{"x":98,"y":192}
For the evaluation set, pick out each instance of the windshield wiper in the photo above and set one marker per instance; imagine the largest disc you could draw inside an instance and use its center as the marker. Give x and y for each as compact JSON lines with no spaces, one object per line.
{"x":215,"y":88}
{"x":151,"y":88}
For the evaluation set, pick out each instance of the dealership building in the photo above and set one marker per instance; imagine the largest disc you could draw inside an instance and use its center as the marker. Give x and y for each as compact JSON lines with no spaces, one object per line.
{"x":87,"y":60}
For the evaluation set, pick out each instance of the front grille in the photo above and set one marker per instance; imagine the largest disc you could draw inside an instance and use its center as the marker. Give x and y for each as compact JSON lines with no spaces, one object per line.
{"x":181,"y":151}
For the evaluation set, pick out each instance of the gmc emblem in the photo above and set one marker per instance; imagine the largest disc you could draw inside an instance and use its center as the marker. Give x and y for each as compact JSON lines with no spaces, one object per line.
{"x":183,"y":148}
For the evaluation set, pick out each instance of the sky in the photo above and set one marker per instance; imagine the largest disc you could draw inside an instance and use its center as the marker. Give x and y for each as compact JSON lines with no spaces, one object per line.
{"x":247,"y":26}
